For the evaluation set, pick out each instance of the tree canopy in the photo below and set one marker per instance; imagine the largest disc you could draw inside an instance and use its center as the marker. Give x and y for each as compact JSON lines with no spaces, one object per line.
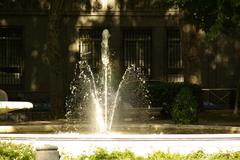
{"x":213,"y":16}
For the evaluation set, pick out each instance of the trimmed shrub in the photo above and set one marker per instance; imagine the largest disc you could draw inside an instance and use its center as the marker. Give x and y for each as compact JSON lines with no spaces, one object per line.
{"x":101,"y":153}
{"x":163,"y":95}
{"x":9,"y":151}
{"x":159,"y":155}
{"x":185,"y":107}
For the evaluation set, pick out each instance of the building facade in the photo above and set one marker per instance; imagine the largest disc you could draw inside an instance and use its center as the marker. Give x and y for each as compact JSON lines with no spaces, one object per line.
{"x":145,"y":33}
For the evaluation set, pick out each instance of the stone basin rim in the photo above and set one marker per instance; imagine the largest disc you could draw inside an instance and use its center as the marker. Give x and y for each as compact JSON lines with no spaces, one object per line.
{"x":116,"y":137}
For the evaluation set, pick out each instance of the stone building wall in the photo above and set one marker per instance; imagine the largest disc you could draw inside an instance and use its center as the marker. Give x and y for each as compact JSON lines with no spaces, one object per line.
{"x":202,"y":67}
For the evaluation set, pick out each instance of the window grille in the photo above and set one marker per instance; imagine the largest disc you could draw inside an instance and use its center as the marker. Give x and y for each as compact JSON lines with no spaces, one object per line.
{"x":11,"y":57}
{"x":22,"y":5}
{"x":137,"y":49}
{"x":90,"y":46}
{"x":174,"y":56}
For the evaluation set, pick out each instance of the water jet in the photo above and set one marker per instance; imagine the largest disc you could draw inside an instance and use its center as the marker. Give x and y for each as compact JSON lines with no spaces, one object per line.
{"x":91,"y":95}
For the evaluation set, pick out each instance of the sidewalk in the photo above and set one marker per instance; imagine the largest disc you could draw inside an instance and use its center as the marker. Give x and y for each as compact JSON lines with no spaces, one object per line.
{"x":219,"y":117}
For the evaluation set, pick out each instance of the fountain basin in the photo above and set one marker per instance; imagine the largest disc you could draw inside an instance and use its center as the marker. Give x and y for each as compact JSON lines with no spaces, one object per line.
{"x":127,"y":128}
{"x":8,"y":106}
{"x":75,"y":144}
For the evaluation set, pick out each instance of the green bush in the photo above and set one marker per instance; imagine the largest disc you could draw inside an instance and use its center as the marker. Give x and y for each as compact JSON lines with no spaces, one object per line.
{"x":159,"y":155}
{"x":163,"y":95}
{"x":103,"y":154}
{"x":225,"y":156}
{"x":185,"y":107}
{"x":11,"y":151}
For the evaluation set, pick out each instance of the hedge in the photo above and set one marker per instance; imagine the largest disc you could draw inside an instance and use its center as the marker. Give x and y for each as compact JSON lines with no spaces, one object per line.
{"x":100,"y":154}
{"x":163,"y":95}
{"x":11,"y":151}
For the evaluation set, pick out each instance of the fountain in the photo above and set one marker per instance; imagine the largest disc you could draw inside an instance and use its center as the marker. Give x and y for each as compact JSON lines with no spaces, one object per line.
{"x":89,"y":95}
{"x":93,"y":103}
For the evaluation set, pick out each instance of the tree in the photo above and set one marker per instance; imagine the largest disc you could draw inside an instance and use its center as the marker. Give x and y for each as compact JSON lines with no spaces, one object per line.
{"x":215,"y":18}
{"x":56,"y":59}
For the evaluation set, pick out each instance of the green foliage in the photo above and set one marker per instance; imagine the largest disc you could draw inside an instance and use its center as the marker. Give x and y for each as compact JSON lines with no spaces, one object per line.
{"x":10,"y":151}
{"x":102,"y":154}
{"x":224,"y":156}
{"x":215,"y":16}
{"x":185,"y":110}
{"x":163,"y":95}
{"x":198,"y":155}
{"x":159,"y":155}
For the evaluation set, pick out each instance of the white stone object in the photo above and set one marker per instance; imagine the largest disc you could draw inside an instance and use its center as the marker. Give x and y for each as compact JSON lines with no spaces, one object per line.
{"x":8,"y":106}
{"x":47,"y":152}
{"x":3,"y":95}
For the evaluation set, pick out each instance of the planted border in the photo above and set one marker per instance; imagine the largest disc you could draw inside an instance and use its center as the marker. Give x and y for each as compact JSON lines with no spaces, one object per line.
{"x":11,"y":151}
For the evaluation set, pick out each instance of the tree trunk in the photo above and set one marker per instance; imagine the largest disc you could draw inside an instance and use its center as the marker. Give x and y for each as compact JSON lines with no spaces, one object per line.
{"x":236,"y":110}
{"x":237,"y":51}
{"x":236,"y":101}
{"x":191,"y":57}
{"x":57,"y":95}
{"x":55,"y":59}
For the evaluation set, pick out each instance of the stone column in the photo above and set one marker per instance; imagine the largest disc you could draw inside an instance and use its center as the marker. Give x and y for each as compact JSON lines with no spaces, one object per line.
{"x":191,"y":39}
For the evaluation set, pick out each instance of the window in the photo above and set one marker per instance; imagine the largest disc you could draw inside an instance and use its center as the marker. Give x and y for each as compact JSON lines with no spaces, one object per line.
{"x":90,"y":46}
{"x":11,"y":57}
{"x":174,"y":56}
{"x":137,"y":49}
